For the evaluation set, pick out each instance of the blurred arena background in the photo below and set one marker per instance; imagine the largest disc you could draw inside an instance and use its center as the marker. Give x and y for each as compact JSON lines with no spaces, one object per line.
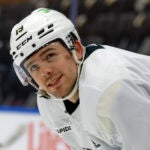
{"x":121,"y":23}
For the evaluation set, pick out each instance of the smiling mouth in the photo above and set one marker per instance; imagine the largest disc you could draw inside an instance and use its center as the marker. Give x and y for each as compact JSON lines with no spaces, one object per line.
{"x":55,"y":82}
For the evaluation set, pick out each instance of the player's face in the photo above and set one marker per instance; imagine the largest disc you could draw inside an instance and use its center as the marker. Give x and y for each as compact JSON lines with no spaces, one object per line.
{"x":54,"y":69}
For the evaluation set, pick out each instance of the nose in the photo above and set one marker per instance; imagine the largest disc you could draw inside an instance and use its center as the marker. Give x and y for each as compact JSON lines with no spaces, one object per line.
{"x":45,"y":71}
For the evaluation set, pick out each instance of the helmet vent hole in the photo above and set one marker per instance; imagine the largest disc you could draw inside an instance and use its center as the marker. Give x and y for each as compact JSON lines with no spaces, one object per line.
{"x":50,"y":26}
{"x":46,"y":33}
{"x":41,"y":31}
{"x":16,"y":56}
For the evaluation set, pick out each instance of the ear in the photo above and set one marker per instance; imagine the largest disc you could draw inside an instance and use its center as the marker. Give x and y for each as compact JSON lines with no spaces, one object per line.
{"x":79,"y":49}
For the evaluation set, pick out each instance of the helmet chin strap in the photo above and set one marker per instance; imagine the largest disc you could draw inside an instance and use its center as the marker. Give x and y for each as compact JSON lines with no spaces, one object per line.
{"x":75,"y":88}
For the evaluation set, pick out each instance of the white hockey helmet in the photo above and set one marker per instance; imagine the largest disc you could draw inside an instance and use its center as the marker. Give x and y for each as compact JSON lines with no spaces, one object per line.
{"x":38,"y":29}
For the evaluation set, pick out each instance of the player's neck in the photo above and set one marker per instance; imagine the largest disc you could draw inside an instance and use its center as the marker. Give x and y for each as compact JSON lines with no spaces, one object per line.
{"x":75,"y":98}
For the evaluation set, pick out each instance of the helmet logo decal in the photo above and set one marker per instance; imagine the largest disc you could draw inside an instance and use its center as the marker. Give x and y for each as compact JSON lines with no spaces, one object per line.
{"x":24,"y":42}
{"x":43,"y":10}
{"x":19,"y":30}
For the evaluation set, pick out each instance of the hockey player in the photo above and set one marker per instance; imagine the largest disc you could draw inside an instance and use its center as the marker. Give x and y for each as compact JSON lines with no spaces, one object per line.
{"x":95,"y":97}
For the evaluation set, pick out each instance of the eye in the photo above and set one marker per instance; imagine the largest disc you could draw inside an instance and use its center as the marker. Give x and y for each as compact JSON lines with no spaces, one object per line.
{"x":33,"y":68}
{"x":50,"y":57}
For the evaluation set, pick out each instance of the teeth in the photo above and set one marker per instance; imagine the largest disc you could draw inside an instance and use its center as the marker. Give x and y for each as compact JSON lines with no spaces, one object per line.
{"x":53,"y":82}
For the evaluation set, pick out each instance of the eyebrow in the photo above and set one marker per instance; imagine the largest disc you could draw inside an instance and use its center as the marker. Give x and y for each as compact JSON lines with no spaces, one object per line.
{"x":40,"y":55}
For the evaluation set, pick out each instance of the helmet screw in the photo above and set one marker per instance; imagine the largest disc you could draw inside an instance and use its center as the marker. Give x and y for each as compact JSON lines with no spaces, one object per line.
{"x":33,"y":45}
